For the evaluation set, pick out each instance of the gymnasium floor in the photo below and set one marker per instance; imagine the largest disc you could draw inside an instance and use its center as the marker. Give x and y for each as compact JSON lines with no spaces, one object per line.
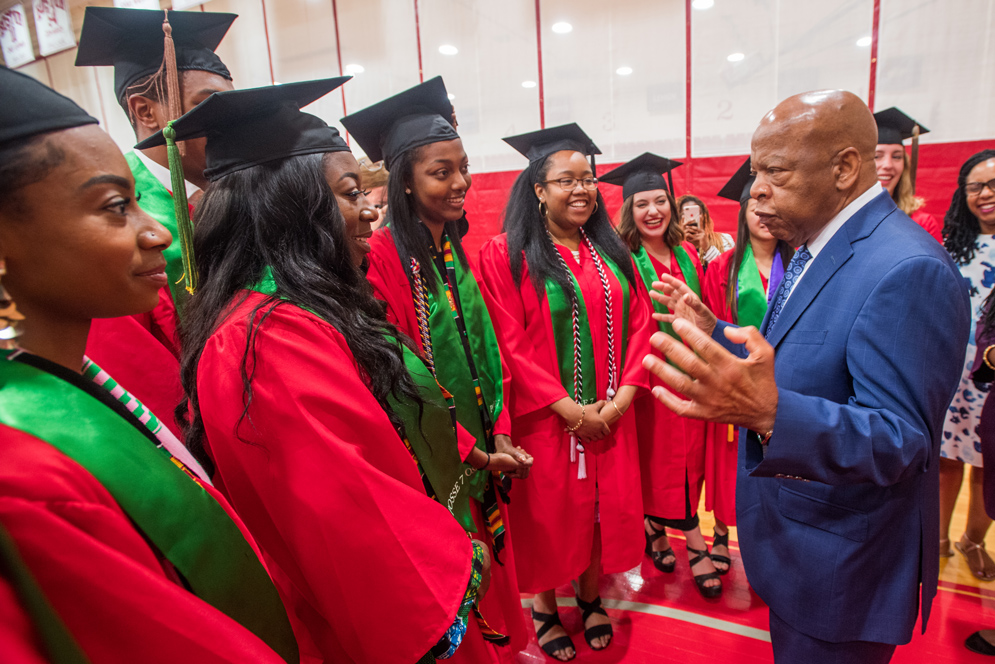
{"x":662,"y":617}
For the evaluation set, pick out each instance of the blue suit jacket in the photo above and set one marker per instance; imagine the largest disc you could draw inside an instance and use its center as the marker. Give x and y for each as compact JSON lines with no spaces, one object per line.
{"x":869,"y":351}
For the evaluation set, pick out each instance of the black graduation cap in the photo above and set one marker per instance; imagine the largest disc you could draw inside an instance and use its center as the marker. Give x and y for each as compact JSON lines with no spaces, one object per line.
{"x":249,"y":127}
{"x":895,"y":126}
{"x":418,"y":116}
{"x":31,"y":108}
{"x":132,"y":40}
{"x":537,"y":145}
{"x":739,"y":185}
{"x":644,"y":173}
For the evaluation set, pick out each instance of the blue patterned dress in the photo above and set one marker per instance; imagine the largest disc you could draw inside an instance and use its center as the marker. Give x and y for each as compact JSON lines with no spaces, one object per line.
{"x":960,"y":435}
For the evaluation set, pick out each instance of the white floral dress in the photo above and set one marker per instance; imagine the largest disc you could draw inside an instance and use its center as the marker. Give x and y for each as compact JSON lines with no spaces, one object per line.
{"x":960,"y":435}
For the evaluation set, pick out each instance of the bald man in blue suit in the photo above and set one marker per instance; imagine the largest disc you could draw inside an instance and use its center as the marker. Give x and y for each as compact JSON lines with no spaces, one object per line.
{"x":838,"y":484}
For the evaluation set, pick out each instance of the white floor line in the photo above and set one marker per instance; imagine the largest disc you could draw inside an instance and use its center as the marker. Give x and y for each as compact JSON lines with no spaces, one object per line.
{"x":667,"y":612}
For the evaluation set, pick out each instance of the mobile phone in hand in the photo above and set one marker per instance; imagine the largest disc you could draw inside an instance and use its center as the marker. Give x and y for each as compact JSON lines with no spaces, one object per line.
{"x":692,"y":215}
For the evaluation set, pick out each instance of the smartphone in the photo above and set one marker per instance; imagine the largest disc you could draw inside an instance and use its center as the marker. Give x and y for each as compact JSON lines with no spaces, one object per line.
{"x":692,"y":215}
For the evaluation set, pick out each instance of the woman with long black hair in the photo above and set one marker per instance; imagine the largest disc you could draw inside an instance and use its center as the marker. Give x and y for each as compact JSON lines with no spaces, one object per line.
{"x":302,"y":399}
{"x":574,"y":328}
{"x":418,"y":267}
{"x":969,"y":236}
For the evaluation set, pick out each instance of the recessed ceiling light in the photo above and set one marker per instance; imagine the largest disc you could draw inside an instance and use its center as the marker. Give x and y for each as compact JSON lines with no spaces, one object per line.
{"x":562,"y":28}
{"x":864,"y":41}
{"x":623,"y":71}
{"x":354,"y":69}
{"x":703,"y":4}
{"x":528,"y":84}
{"x":448,"y":49}
{"x":735,"y":57}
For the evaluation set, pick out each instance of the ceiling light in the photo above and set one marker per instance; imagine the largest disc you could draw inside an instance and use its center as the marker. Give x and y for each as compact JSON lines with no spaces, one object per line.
{"x":528,"y":84}
{"x":703,"y":4}
{"x":354,"y":69}
{"x":448,"y":49}
{"x":864,"y":41}
{"x":735,"y":57}
{"x":562,"y":28}
{"x":623,"y":71}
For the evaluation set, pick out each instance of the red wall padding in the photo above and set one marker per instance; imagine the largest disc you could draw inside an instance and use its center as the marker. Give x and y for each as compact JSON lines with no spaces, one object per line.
{"x":938,"y":167}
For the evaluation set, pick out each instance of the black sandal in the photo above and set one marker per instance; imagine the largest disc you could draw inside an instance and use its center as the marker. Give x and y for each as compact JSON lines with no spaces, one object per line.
{"x":597,"y":631}
{"x":976,"y":643}
{"x":721,"y":540}
{"x":658,"y":556}
{"x":708,"y":592}
{"x":549,"y":621}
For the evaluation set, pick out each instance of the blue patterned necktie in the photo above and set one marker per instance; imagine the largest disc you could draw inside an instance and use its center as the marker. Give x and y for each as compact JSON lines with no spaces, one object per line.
{"x":791,"y":275}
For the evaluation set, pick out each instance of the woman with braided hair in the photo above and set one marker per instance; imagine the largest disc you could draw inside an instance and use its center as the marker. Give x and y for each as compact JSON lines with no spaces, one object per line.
{"x":574,"y":328}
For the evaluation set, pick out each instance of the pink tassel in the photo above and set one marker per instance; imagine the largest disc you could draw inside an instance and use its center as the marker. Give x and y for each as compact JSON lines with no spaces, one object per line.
{"x":581,"y":464}
{"x":573,"y":448}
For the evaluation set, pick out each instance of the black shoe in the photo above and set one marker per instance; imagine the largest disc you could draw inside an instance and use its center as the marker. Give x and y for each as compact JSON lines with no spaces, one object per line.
{"x":658,"y":556}
{"x":721,"y":540}
{"x":708,"y":592}
{"x":975,"y":643}
{"x":597,"y":631}
{"x":549,"y":621}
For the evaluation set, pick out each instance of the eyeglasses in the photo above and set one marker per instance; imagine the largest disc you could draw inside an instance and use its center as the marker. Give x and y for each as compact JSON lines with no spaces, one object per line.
{"x":571,"y":183}
{"x":975,"y":188}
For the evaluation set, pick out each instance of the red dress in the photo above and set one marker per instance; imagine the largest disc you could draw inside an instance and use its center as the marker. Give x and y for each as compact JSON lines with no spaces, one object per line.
{"x":928,"y":222}
{"x":553,"y":511}
{"x":670,"y":447}
{"x":115,"y":594}
{"x":502,"y":606}
{"x":373,"y":567}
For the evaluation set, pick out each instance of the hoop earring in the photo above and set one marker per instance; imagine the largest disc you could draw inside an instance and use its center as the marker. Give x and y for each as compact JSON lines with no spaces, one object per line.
{"x":9,"y":315}
{"x":595,"y":208}
{"x":543,"y":209}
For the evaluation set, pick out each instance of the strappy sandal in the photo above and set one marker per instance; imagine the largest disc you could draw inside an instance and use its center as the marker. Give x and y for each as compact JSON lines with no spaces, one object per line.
{"x":658,"y":556}
{"x":966,"y":547}
{"x":945,"y":551}
{"x":721,"y":540}
{"x":708,"y":592}
{"x":549,"y":621}
{"x":591,"y":633}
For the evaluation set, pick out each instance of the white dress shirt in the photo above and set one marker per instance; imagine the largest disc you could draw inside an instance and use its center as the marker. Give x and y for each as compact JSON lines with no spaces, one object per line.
{"x":162,"y":175}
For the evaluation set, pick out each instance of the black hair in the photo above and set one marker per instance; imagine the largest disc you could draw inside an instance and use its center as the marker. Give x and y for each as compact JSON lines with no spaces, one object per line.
{"x":783,"y":250}
{"x":960,"y":226}
{"x":150,"y":87}
{"x":410,"y":236}
{"x":23,"y":162}
{"x":283,"y":215}
{"x":526,"y":229}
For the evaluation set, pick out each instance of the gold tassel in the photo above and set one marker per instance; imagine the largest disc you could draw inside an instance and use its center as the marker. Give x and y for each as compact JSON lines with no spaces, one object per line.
{"x":174,"y":105}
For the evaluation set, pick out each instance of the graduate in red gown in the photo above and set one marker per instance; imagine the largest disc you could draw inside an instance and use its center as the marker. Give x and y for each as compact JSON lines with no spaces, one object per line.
{"x":137,"y":555}
{"x":299,"y":391}
{"x":143,"y":350}
{"x":895,"y":169}
{"x":671,"y":448}
{"x":573,"y":328}
{"x":418,"y":267}
{"x":736,"y":289}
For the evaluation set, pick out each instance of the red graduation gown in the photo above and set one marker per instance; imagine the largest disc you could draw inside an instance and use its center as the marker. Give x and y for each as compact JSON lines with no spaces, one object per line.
{"x":114,"y":593}
{"x":372,"y":566}
{"x":670,"y":447}
{"x":502,"y":606}
{"x":928,"y":222}
{"x":553,"y":511}
{"x":19,"y":641}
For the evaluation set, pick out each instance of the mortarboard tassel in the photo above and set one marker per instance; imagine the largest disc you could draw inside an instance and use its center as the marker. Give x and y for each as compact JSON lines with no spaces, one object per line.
{"x":914,"y":163}
{"x":670,"y":182}
{"x":181,"y":206}
{"x":174,"y":106}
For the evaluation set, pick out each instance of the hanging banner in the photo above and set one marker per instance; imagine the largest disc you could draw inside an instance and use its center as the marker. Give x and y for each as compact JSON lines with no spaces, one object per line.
{"x":15,"y":39}
{"x":53,"y":27}
{"x":137,"y":4}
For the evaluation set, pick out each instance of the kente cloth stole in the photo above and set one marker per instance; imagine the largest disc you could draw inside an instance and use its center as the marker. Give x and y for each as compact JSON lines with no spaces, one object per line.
{"x":162,"y":498}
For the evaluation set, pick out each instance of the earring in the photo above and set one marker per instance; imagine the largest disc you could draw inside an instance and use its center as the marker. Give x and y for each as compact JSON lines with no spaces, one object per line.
{"x":407,"y":191}
{"x":595,"y":208}
{"x":543,"y":210}
{"x":9,"y":315}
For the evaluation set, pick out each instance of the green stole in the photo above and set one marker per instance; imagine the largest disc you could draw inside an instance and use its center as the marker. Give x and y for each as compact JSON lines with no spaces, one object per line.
{"x":561,"y":313}
{"x":432,"y":436}
{"x":59,"y":645}
{"x":174,"y":513}
{"x":644,"y":265}
{"x":157,"y":202}
{"x":751,"y":301}
{"x":451,"y":367}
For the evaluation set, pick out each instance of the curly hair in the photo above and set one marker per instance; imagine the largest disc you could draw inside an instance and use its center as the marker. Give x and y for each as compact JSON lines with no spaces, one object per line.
{"x":960,"y":226}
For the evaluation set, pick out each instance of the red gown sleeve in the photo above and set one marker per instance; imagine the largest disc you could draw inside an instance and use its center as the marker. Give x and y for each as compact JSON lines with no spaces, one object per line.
{"x":535,"y":386}
{"x":328,"y":490}
{"x":713,"y":289}
{"x":98,"y":572}
{"x":929,"y":223}
{"x":503,"y":423}
{"x":19,"y":642}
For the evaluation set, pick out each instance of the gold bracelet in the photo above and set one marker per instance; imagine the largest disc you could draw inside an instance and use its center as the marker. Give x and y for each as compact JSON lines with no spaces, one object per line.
{"x":984,"y":357}
{"x":583,"y":411}
{"x":620,"y":413}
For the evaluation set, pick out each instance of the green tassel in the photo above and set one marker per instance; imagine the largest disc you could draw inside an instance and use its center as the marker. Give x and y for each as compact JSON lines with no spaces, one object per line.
{"x":183,"y":222}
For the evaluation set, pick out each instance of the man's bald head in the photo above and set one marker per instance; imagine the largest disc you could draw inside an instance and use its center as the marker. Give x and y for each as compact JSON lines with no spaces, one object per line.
{"x":814,"y":154}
